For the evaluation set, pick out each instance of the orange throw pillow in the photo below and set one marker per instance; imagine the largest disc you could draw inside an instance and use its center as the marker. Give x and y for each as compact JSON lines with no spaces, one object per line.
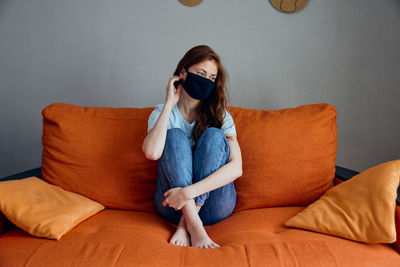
{"x":361,"y":209}
{"x":42,"y":209}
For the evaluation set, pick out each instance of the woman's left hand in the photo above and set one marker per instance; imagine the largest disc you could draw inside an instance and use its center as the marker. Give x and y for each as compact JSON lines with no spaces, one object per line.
{"x":176,"y":198}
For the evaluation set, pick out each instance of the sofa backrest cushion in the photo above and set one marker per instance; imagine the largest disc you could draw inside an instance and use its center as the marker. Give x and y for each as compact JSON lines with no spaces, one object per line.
{"x":96,"y":152}
{"x":288,"y":155}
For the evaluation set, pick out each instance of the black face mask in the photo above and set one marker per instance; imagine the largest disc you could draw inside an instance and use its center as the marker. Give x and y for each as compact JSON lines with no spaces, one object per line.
{"x":196,"y":86}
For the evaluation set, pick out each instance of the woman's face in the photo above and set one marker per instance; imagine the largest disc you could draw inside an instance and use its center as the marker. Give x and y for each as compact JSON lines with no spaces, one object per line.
{"x":207,"y":69}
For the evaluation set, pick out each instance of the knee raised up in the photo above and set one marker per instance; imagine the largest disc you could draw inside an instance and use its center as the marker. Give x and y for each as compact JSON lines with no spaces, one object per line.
{"x":176,"y":143}
{"x":213,"y":136}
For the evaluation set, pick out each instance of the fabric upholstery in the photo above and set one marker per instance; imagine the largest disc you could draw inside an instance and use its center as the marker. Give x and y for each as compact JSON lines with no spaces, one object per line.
{"x":361,"y":209}
{"x":42,"y":209}
{"x":288,"y":155}
{"x":5,"y":224}
{"x":81,"y":152}
{"x":132,"y":238}
{"x":396,"y":244}
{"x":96,"y":152}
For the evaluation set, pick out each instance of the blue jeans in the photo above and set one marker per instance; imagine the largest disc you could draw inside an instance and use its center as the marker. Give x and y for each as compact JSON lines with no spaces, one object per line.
{"x":179,"y":166}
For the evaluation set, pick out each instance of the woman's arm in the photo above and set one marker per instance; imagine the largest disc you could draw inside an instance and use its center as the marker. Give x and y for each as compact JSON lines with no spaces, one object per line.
{"x":153,"y":144}
{"x":224,"y":175}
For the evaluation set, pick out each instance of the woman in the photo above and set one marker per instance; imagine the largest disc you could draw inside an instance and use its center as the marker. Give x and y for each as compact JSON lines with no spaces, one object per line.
{"x":194,"y":137}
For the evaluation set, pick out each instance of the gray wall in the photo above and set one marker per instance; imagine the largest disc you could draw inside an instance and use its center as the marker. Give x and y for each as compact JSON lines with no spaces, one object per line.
{"x":121,"y":54}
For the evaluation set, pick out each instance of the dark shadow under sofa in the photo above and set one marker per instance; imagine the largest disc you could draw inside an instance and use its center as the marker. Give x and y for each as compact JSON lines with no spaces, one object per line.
{"x":288,"y":163}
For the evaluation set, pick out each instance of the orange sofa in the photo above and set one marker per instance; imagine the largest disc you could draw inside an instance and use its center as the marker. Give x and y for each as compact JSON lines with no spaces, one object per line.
{"x":288,"y":163}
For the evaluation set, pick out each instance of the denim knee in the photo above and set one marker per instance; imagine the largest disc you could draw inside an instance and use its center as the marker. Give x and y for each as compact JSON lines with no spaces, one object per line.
{"x":212,"y":137}
{"x":175,"y":141}
{"x":174,"y":135}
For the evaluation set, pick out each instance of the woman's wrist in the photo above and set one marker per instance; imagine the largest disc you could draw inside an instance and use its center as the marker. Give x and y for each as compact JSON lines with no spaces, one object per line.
{"x":189,"y":191}
{"x":168,"y":104}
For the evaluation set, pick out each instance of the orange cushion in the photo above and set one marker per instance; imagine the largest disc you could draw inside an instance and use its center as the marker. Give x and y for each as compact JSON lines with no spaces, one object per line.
{"x":132,"y":238}
{"x":96,"y":152}
{"x":288,"y":155}
{"x":43,"y":209}
{"x":360,"y":209}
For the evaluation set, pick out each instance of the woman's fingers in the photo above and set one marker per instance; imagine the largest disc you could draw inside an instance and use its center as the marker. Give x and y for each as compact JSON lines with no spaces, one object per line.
{"x":172,"y":80}
{"x":167,"y":193}
{"x":173,"y":95}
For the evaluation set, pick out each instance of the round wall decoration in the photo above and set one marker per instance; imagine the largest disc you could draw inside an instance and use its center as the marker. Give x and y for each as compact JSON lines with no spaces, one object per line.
{"x":288,"y":6}
{"x":190,"y":2}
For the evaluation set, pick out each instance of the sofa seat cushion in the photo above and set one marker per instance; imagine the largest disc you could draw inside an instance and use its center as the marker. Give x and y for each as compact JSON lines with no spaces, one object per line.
{"x":132,"y":238}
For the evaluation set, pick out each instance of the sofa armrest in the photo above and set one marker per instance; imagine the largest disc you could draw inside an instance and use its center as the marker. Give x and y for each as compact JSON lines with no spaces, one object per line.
{"x":396,"y":244}
{"x":5,"y":224}
{"x":343,"y":174}
{"x":25,"y":174}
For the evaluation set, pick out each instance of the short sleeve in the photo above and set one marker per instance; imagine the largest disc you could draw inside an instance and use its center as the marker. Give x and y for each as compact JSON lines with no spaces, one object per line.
{"x":228,"y":126}
{"x":154,"y":116}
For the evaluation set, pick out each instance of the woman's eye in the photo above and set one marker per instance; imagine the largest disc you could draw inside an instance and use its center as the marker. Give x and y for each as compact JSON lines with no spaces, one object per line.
{"x":200,"y":73}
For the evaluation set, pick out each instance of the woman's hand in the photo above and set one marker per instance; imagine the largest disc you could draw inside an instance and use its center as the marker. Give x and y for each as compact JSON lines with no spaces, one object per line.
{"x":172,"y":97}
{"x":176,"y":198}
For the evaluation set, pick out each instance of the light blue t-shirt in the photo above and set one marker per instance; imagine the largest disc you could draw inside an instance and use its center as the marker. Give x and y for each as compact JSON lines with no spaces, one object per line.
{"x":177,"y":121}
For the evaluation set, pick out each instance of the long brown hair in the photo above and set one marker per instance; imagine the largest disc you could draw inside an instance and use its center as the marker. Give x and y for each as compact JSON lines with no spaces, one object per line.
{"x":209,"y":112}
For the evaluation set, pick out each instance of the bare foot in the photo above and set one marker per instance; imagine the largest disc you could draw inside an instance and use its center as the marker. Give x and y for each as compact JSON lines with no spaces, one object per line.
{"x":181,"y":236}
{"x":199,"y":237}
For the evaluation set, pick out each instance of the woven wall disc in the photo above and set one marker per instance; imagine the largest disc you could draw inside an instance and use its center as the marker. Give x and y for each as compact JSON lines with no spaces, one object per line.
{"x":190,"y":2}
{"x":288,"y":6}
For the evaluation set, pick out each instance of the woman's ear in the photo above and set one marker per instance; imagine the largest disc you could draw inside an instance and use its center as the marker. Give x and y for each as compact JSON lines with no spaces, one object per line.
{"x":183,"y":73}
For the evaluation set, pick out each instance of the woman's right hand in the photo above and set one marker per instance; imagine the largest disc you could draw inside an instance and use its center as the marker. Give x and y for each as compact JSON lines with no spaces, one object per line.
{"x":172,"y":97}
